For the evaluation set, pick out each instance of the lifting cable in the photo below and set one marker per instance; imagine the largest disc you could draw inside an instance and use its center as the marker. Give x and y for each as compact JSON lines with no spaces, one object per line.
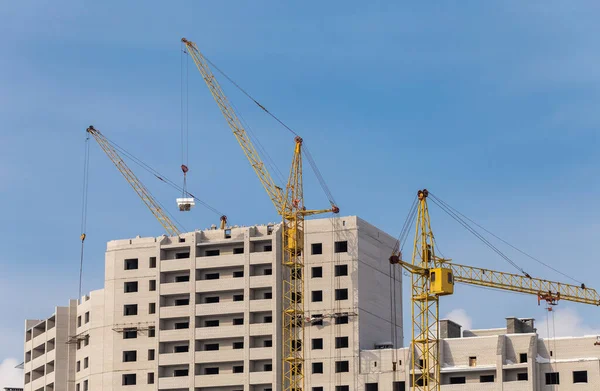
{"x":84,"y":203}
{"x":479,"y":236}
{"x":159,"y":176}
{"x":458,"y":216}
{"x":408,"y":222}
{"x":308,"y":155}
{"x":185,"y":98}
{"x":397,"y":250}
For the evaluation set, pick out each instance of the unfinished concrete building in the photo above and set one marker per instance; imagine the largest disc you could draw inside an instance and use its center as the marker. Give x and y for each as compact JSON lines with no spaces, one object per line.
{"x":203,"y":311}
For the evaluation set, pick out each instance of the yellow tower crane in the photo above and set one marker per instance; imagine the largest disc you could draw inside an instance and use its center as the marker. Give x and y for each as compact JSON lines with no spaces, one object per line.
{"x":433,"y":277}
{"x":290,"y":205}
{"x":141,"y":190}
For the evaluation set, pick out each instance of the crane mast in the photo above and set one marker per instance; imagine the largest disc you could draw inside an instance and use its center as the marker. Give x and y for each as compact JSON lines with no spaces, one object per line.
{"x":290,"y":205}
{"x":433,"y":277}
{"x":135,"y":183}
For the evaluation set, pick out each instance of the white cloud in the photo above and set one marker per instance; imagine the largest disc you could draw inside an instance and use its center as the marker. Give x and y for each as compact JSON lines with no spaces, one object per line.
{"x":567,"y":323}
{"x":9,"y":375}
{"x":461,"y":317}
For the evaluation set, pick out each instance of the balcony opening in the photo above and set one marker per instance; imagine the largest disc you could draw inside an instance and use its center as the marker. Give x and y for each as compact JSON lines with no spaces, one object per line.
{"x":268,"y":295}
{"x":341,"y":247}
{"x":211,"y":371}
{"x":316,"y":296}
{"x":150,"y":377}
{"x":238,"y":345}
{"x":211,"y":346}
{"x":523,"y":376}
{"x":341,"y":342}
{"x":238,"y":297}
{"x":211,"y":323}
{"x":486,"y":378}
{"x":181,"y":349}
{"x":268,"y":248}
{"x":523,"y":357}
{"x":130,"y":309}
{"x":129,"y":333}
{"x":316,"y":319}
{"x":342,"y":366}
{"x":184,"y":255}
{"x":181,"y":372}
{"x":268,"y":319}
{"x":238,"y":369}
{"x":179,"y":302}
{"x":152,"y":262}
{"x":182,"y":325}
{"x":580,"y":377}
{"x":238,"y":250}
{"x":317,"y":272}
{"x":183,"y":278}
{"x":317,"y":343}
{"x":211,"y":299}
{"x":341,"y":318}
{"x":398,"y":386}
{"x":371,"y":386}
{"x":458,"y":380}
{"x":341,"y":270}
{"x":151,"y":308}
{"x":268,"y":343}
{"x":131,"y":264}
{"x":238,"y":274}
{"x":316,"y":248}
{"x":238,"y":321}
{"x":151,"y":354}
{"x":129,"y":379}
{"x":212,"y":276}
{"x":317,"y":367}
{"x":130,"y":355}
{"x":341,"y":294}
{"x":268,"y":367}
{"x":552,"y":378}
{"x":130,"y":287}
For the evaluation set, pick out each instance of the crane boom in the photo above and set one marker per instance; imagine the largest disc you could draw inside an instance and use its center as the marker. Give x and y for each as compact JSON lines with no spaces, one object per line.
{"x":135,"y":183}
{"x":523,"y":284}
{"x":275,"y":193}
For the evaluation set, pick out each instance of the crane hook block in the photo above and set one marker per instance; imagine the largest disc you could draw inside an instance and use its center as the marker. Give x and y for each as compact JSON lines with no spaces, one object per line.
{"x":184,"y":168}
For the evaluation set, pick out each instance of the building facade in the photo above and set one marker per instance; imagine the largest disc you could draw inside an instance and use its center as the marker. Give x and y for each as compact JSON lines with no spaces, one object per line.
{"x":202,"y":311}
{"x":513,"y":358}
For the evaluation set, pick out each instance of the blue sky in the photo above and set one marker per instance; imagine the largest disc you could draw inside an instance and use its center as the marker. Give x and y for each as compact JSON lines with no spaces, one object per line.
{"x":490,"y":105}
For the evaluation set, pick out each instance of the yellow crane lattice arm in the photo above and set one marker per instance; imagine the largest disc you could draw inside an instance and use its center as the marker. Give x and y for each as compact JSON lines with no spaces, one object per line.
{"x":518,"y":283}
{"x":275,"y":193}
{"x":135,"y":183}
